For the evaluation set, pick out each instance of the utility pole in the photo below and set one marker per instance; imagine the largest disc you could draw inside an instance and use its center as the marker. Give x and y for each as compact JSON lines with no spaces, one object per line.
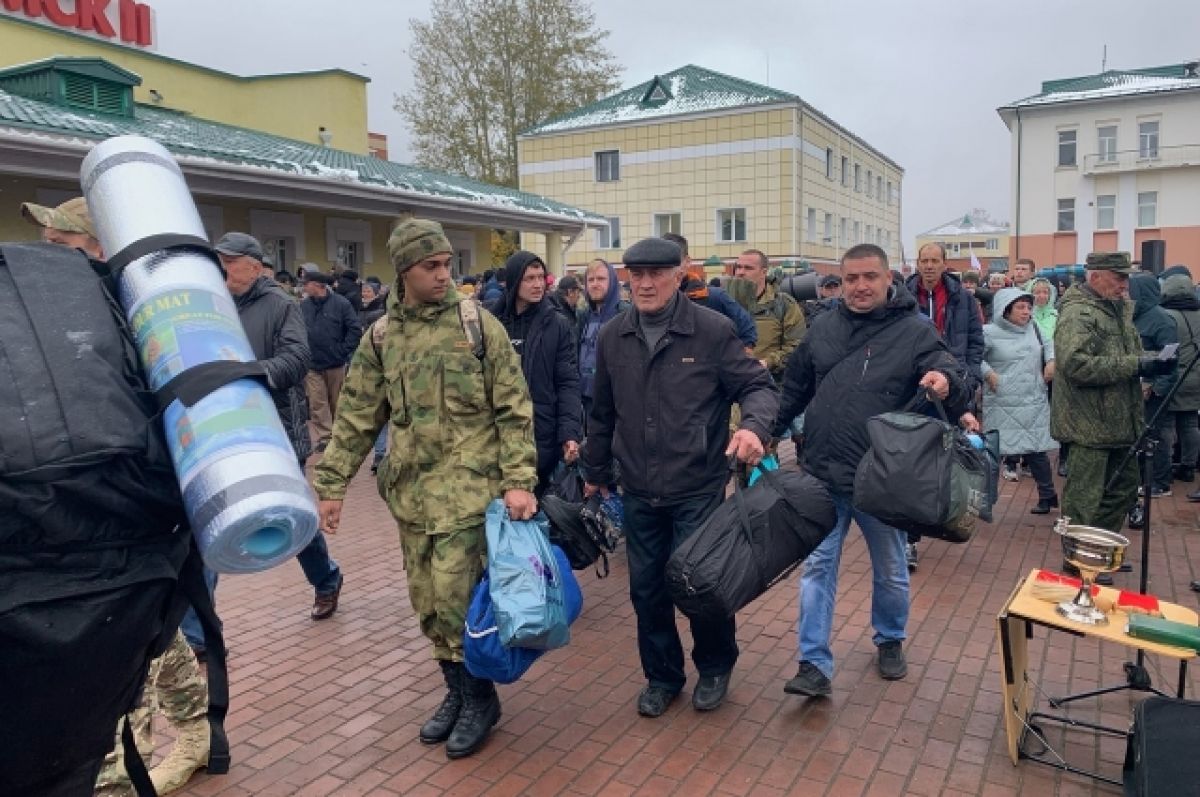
{"x":1104,"y":60}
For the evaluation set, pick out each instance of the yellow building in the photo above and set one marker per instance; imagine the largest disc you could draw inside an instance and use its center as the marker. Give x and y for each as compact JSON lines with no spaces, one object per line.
{"x":727,"y":163}
{"x":282,"y":157}
{"x":970,"y":234}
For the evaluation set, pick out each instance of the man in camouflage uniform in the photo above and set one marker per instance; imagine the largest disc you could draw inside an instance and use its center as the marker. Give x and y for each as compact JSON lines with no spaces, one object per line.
{"x":1097,"y":400}
{"x":175,"y":685}
{"x":460,"y":433}
{"x":777,"y":316}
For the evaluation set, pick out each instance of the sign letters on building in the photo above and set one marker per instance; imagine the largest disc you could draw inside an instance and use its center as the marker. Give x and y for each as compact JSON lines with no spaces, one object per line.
{"x":129,"y":20}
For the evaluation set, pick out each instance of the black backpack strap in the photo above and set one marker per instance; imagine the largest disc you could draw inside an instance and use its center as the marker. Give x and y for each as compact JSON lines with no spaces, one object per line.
{"x":198,"y":381}
{"x":135,"y":767}
{"x":192,"y":583}
{"x":153,"y":243}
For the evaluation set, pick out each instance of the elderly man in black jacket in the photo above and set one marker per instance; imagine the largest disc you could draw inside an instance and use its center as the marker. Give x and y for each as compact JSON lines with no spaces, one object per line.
{"x":667,"y":372}
{"x":868,"y":355}
{"x":546,"y":345}
{"x":333,"y":334}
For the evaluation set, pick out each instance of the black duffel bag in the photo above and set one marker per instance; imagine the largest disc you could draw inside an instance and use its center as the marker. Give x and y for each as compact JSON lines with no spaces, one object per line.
{"x":1160,"y":756}
{"x":922,"y":475}
{"x":749,"y":543}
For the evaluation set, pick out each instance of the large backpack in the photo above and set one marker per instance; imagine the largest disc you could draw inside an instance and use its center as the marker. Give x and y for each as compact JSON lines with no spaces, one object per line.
{"x":93,"y":536}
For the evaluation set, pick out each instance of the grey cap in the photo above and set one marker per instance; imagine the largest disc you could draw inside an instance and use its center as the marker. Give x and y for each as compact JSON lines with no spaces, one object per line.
{"x":236,"y":244}
{"x":653,"y":253}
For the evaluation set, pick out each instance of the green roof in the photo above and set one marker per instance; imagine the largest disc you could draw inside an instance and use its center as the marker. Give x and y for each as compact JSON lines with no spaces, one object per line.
{"x":689,"y":89}
{"x":1114,"y":83}
{"x":188,"y":136}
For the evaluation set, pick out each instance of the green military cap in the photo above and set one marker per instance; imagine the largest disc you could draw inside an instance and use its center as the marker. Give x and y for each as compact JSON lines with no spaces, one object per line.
{"x":413,"y":240}
{"x":70,"y":216}
{"x":1110,"y":261}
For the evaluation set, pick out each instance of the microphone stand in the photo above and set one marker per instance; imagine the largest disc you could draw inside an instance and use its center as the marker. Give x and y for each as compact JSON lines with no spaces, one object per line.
{"x":1137,"y":678}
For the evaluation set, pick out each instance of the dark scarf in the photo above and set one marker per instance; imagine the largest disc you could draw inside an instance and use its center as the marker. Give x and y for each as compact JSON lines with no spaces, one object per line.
{"x":1180,"y":302}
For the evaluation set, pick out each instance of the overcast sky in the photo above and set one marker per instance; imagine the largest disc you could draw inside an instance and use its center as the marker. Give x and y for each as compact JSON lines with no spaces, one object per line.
{"x":918,"y":79}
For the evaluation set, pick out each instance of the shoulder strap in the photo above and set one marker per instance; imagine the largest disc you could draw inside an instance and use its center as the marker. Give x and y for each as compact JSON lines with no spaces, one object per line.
{"x":468,"y":316}
{"x":1041,"y":341}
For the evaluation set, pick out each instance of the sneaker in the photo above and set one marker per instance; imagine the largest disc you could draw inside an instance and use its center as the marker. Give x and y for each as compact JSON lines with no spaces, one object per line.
{"x":910,"y":556}
{"x":810,"y":682}
{"x":1156,"y":492}
{"x":892,"y":666}
{"x":1009,"y":474}
{"x":654,"y":700}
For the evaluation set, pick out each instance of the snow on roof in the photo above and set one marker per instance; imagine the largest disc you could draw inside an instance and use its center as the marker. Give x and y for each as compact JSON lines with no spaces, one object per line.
{"x":966,"y":225}
{"x":189,"y":137}
{"x":693,"y":89}
{"x":1113,"y":84}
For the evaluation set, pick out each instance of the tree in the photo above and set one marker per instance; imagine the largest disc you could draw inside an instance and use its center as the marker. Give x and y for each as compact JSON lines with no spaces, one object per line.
{"x":486,"y":70}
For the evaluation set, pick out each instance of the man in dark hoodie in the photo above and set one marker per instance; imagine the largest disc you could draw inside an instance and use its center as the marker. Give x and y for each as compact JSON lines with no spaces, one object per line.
{"x":868,"y":355}
{"x":1157,"y":329}
{"x":604,"y":302}
{"x":546,"y":344}
{"x":347,"y":285}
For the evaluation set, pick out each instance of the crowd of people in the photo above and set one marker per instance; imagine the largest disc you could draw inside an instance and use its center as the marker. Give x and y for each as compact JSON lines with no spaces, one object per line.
{"x":472,"y":390}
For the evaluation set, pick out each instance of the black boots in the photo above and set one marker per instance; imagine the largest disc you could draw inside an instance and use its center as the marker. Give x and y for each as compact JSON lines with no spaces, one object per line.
{"x":439,"y":726}
{"x":480,"y":711}
{"x":1044,"y":505}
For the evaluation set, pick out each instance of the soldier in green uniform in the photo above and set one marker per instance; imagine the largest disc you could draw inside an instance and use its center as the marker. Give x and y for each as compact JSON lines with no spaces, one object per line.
{"x":1097,"y":401}
{"x":777,"y":316}
{"x":441,"y":375}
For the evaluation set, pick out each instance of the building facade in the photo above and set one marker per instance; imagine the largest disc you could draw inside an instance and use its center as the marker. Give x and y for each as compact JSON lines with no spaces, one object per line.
{"x":1106,"y":162}
{"x":283,"y":157}
{"x":727,"y":163}
{"x":970,"y":234}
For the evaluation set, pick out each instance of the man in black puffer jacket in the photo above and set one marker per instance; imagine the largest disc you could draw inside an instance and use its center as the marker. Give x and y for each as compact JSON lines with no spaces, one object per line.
{"x":546,"y":345}
{"x":333,"y":334}
{"x":869,"y":355}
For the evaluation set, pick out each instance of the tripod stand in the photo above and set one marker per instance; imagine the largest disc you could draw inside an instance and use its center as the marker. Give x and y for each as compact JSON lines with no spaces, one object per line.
{"x":1137,"y":678}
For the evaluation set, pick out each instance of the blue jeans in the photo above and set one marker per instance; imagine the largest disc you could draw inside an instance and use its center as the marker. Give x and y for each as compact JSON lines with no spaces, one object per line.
{"x":381,"y":444}
{"x":818,"y":585}
{"x":652,"y":532}
{"x":319,"y":568}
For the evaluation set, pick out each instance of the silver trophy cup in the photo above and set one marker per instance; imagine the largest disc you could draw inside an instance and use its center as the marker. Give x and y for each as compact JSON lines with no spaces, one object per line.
{"x":1093,"y":551}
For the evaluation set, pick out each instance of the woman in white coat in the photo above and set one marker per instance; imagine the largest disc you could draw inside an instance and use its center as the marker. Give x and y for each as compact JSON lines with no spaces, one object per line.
{"x":1017,"y":364}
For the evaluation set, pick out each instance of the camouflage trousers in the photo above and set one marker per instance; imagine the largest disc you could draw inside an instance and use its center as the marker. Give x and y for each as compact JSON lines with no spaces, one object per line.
{"x":442,"y":571}
{"x":176,"y":688}
{"x":1084,"y":499}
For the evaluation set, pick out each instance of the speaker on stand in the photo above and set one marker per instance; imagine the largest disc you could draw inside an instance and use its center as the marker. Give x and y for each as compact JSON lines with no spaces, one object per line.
{"x":1154,"y":256}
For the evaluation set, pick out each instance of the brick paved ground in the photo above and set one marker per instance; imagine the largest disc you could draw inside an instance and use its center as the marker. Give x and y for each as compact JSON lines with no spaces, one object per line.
{"x":332,"y":708}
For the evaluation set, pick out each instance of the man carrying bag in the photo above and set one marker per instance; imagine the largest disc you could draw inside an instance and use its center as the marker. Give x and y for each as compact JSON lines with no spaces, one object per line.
{"x":869,"y":355}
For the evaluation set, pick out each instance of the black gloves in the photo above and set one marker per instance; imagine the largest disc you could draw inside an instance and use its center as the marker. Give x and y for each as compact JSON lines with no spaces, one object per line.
{"x":1150,"y":366}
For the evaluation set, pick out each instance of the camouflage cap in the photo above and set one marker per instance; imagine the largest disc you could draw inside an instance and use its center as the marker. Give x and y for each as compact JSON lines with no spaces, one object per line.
{"x":1109,"y":261}
{"x":70,"y":216}
{"x":413,"y":240}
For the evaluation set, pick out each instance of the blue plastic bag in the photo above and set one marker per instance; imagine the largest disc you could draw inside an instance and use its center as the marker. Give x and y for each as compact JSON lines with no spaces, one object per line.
{"x":485,"y":656}
{"x":766,"y":465}
{"x":526,"y":582}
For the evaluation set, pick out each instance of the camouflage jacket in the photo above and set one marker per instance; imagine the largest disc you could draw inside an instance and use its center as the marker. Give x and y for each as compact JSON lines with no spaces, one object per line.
{"x":781,"y":327}
{"x":460,"y":428}
{"x":1097,"y":398}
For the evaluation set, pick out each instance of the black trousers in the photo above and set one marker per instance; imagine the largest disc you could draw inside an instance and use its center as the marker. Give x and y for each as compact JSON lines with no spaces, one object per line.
{"x":653,"y":531}
{"x":1039,"y":466}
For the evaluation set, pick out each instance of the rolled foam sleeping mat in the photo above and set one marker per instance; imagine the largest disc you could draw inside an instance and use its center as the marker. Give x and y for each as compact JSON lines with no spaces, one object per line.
{"x":245,"y":494}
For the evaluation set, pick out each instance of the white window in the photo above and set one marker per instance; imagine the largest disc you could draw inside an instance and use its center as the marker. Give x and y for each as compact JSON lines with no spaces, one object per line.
{"x":608,"y":166}
{"x":811,"y":226}
{"x":1066,"y":147}
{"x":845,"y":170}
{"x":879,"y":188}
{"x":828,"y":236}
{"x":1147,"y":208}
{"x":1147,"y":139}
{"x":891,"y":197}
{"x":869,"y":233}
{"x":870,"y":184}
{"x":1106,"y":212}
{"x":878,"y":237}
{"x":829,"y":162}
{"x":731,"y":225}
{"x":858,"y":232}
{"x":887,"y":241}
{"x":349,"y":254}
{"x":610,"y":238}
{"x":843,"y":232}
{"x":1066,"y":215}
{"x":280,"y":253}
{"x":857,"y":177}
{"x":667,"y":222}
{"x":993,"y":244}
{"x":1107,"y":143}
{"x":954,"y":249}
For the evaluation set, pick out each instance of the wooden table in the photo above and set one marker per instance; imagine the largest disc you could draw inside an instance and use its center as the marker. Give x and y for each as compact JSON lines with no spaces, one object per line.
{"x":1014,"y":627}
